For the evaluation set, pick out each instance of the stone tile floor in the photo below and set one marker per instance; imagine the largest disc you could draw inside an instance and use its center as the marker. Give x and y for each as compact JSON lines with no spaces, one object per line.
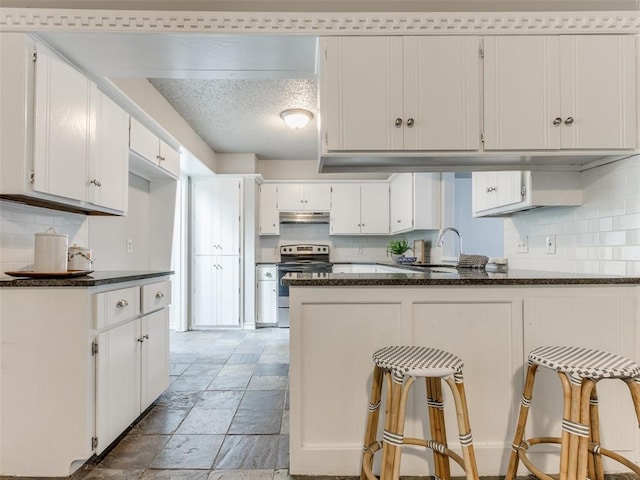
{"x":224,"y":416}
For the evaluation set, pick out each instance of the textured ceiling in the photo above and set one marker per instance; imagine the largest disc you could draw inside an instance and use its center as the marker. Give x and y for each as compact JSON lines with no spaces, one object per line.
{"x":236,"y":116}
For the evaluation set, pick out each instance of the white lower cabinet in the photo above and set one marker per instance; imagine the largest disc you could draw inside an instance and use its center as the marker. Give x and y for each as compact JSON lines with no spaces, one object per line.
{"x":267,"y":294}
{"x":216,"y":291}
{"x":132,"y":356}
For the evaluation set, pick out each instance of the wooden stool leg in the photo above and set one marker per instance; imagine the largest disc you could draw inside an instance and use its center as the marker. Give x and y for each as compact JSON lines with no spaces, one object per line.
{"x":634,"y":388}
{"x":399,"y":432}
{"x":372,"y":418}
{"x":596,"y":470}
{"x":585,"y":420}
{"x":390,"y":440}
{"x":512,"y":469}
{"x":572,"y":429}
{"x":464,"y":429}
{"x":435,"y":403}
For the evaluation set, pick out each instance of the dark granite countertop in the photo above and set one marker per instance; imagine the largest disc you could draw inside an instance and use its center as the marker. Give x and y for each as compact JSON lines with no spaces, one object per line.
{"x":452,"y":277}
{"x":94,"y":279}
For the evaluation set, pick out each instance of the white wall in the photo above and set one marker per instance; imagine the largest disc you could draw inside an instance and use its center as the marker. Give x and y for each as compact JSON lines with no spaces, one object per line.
{"x":19,"y":223}
{"x":602,"y":236}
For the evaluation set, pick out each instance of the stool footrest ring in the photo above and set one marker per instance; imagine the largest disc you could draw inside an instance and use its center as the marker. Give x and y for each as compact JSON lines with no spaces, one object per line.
{"x":593,"y":448}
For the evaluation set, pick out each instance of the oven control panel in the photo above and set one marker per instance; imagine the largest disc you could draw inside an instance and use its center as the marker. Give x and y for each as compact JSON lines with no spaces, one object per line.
{"x":304,"y":249}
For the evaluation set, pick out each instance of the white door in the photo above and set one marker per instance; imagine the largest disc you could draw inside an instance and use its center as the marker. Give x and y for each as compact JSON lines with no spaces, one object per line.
{"x":598,"y":75}
{"x":401,"y":203}
{"x":118,"y":381}
{"x":61,"y":133}
{"x":441,"y":93}
{"x":154,"y":360}
{"x":216,"y":291}
{"x":204,"y":218}
{"x":228,"y":291}
{"x":268,"y":210}
{"x":364,"y":89}
{"x":522,"y":92}
{"x":267,"y":297}
{"x":109,"y":159}
{"x":227,"y":198}
{"x":317,"y":197}
{"x":374,"y":208}
{"x":345,"y":209}
{"x":290,"y":197}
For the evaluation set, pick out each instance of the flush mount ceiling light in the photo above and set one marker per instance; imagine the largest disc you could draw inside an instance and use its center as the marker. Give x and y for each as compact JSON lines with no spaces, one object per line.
{"x":296,"y":117}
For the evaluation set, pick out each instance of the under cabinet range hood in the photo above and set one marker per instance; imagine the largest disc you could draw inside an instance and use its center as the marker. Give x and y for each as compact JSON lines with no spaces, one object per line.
{"x":304,"y":217}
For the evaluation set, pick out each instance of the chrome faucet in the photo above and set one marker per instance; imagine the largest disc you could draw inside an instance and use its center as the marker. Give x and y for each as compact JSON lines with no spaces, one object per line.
{"x":454,"y":230}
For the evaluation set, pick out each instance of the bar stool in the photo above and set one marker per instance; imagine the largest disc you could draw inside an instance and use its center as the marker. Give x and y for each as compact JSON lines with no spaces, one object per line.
{"x":400,"y":366}
{"x":579,"y":370}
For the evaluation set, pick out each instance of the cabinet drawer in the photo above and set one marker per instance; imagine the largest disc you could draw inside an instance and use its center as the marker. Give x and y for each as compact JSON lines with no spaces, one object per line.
{"x":156,"y":296}
{"x":267,"y":272}
{"x":117,"y":306}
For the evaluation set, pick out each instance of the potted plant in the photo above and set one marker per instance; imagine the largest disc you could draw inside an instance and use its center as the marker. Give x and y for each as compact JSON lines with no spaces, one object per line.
{"x":397,"y":248}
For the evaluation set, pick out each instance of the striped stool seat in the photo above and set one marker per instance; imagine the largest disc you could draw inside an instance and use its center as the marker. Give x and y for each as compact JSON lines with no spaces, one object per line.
{"x":579,"y":362}
{"x":401,"y":366}
{"x":579,"y":369}
{"x":417,"y":361}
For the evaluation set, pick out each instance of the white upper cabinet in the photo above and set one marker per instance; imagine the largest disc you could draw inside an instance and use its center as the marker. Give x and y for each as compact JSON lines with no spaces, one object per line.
{"x":560,"y":92}
{"x":153,"y":150}
{"x":61,"y":128}
{"x":401,"y":93}
{"x":359,"y":209}
{"x":415,"y":202}
{"x":108,"y":179}
{"x":216,"y":216}
{"x":311,"y":197}
{"x":503,"y":193}
{"x":269,"y":221}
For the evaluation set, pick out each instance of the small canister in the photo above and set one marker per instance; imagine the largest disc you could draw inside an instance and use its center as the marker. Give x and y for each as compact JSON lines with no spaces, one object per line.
{"x":50,"y":253}
{"x":79,"y":258}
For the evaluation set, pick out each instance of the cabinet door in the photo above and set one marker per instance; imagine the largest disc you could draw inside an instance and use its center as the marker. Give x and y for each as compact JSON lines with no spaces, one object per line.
{"x":345,"y":209}
{"x":109,"y":159}
{"x":496,"y":189}
{"x":169,"y":159}
{"x":268,"y":210}
{"x":290,"y":197}
{"x":364,"y":93}
{"x":441,"y":79}
{"x":143,"y":142}
{"x":118,"y":382}
{"x":317,"y":197}
{"x":61,"y":131}
{"x":374,"y":208}
{"x":154,"y":358}
{"x":267,"y":299}
{"x":216,"y":295}
{"x":228,"y":291}
{"x":598,"y":74}
{"x":401,"y":203}
{"x":521,"y":92}
{"x":216,"y":216}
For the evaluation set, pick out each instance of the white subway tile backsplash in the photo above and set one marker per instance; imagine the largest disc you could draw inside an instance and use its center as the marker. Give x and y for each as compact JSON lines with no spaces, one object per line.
{"x":601,"y":236}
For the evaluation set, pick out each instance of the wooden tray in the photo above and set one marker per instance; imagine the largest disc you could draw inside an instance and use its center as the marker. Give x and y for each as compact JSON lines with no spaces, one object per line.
{"x":32,"y":274}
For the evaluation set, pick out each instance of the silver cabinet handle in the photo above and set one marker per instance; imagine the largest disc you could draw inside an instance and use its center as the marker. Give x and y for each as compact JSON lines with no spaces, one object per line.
{"x":143,"y":338}
{"x":410,"y":122}
{"x":96,"y":182}
{"x":146,"y":337}
{"x":557,"y":121}
{"x":122,"y":303}
{"x":268,"y":274}
{"x":569,"y":121}
{"x":398,"y":122}
{"x":398,"y":221}
{"x":491,"y":189}
{"x":159,"y":295}
{"x":158,"y":157}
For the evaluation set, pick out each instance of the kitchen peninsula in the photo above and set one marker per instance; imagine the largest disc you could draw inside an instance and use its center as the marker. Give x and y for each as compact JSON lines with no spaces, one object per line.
{"x":490,"y":320}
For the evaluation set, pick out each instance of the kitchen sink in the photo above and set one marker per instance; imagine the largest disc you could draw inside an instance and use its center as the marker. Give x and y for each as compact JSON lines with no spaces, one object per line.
{"x":435,"y":267}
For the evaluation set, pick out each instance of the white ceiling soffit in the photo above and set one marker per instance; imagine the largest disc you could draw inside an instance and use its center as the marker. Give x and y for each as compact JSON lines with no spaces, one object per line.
{"x":334,"y":5}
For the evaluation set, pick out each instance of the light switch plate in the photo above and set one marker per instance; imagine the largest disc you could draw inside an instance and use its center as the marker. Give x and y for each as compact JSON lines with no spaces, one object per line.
{"x":550,"y":244}
{"x":523,"y":245}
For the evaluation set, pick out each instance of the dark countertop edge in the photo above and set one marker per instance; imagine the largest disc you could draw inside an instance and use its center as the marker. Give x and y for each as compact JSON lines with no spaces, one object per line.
{"x":94,"y":279}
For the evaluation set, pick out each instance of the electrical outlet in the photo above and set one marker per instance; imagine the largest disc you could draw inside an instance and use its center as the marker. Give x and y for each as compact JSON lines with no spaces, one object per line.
{"x":129,"y":245}
{"x":550,"y":244}
{"x":523,"y":245}
{"x":360,"y":250}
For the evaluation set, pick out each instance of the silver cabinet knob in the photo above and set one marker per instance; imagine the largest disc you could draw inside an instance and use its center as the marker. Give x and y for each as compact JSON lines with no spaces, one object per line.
{"x":410,"y":122}
{"x":122,"y":304}
{"x":491,"y":189}
{"x":268,"y":275}
{"x":398,"y":122}
{"x":398,"y":221}
{"x":96,"y":182}
{"x":159,"y":295}
{"x":557,"y":121}
{"x":569,"y":121}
